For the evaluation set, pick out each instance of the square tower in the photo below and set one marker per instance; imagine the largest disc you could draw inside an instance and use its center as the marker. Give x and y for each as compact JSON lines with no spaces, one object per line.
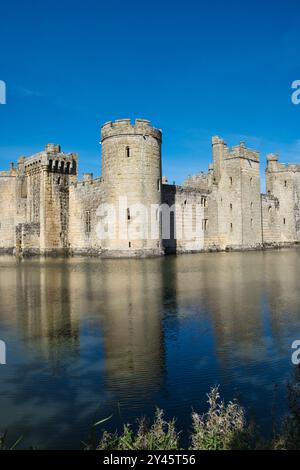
{"x":236,"y":187}
{"x":47,"y":176}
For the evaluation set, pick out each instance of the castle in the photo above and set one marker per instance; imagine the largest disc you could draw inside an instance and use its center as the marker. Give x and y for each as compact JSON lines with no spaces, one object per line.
{"x":44,"y":209}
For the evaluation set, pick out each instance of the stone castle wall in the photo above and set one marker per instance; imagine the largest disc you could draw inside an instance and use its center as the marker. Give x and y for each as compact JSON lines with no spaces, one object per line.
{"x":271,"y":220}
{"x":44,"y":209}
{"x":283,"y":182}
{"x":7,"y":210}
{"x":185,"y":221}
{"x":85,"y":197}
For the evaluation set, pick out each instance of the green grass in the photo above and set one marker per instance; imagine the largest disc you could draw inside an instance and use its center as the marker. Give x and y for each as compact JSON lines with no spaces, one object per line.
{"x":222,"y":427}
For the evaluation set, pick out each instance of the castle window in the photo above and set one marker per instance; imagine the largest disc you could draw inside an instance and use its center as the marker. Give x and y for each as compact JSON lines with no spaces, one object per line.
{"x":127,"y":152}
{"x":284,"y":221}
{"x":270,"y":208}
{"x":231,"y":227}
{"x":50,"y":165}
{"x":230,"y":207}
{"x":56,"y":165}
{"x":285,"y":183}
{"x":128,"y":214}
{"x":251,"y":222}
{"x":58,"y":180}
{"x":129,"y":244}
{"x":68,"y":167}
{"x":158,"y":185}
{"x":88,"y":222}
{"x":204,"y":224}
{"x":251,"y":205}
{"x":251,"y":181}
{"x":230,"y":180}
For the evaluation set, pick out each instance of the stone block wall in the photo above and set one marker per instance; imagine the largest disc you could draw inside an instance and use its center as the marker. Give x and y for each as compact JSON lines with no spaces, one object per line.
{"x":28,"y":239}
{"x":85,"y":199}
{"x":271,"y":220}
{"x":7,"y":210}
{"x":186,"y":219}
{"x":283,"y":182}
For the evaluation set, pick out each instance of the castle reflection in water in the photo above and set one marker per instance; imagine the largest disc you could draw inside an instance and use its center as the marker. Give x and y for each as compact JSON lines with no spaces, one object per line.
{"x":140,"y":333}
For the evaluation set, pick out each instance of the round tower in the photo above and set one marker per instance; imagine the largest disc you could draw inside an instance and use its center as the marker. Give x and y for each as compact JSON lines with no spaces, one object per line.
{"x":131,"y":171}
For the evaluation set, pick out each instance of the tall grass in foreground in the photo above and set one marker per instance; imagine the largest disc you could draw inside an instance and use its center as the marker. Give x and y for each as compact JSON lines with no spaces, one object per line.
{"x":223,"y":427}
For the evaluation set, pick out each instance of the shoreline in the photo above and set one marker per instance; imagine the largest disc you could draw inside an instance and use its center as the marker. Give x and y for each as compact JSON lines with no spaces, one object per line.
{"x":141,"y":254}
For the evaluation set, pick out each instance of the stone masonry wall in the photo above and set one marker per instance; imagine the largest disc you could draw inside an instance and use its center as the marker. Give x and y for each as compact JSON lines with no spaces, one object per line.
{"x":271,"y":220}
{"x":186,"y":219}
{"x":7,"y":210}
{"x":85,"y":198}
{"x":283,"y":182}
{"x":28,"y":239}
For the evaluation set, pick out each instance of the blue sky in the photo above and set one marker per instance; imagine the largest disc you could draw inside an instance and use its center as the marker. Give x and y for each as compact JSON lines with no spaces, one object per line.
{"x":194,"y":68}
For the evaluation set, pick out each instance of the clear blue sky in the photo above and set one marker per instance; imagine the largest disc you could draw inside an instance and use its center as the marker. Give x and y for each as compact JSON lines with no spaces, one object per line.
{"x":194,"y":68}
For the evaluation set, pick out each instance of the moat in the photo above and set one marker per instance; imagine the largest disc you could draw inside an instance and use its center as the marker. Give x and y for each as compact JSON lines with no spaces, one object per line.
{"x":88,"y":338}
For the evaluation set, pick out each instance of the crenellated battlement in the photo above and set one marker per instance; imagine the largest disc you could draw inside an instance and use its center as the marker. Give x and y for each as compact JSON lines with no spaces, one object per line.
{"x":241,"y":151}
{"x":274,"y":166}
{"x":87,"y":182}
{"x":199,"y":181}
{"x":124,"y":127}
{"x":53,"y":159}
{"x":53,"y":148}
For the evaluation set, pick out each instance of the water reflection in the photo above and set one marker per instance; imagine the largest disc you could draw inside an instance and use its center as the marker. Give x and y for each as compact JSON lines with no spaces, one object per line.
{"x":132,"y":329}
{"x":84,"y":333}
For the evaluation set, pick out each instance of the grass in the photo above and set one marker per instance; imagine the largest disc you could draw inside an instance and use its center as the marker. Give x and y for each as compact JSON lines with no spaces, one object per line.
{"x":222,"y":427}
{"x":5,"y":446}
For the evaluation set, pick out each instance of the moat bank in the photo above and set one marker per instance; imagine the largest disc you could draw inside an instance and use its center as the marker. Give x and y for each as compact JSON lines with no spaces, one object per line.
{"x":136,"y":254}
{"x":88,"y":338}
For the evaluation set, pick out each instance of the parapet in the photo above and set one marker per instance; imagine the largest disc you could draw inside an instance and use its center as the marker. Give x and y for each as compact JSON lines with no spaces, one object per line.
{"x":238,"y":151}
{"x":52,"y":148}
{"x":241,"y":151}
{"x":273,"y":165}
{"x":88,"y":177}
{"x":53,"y":159}
{"x":125,"y":127}
{"x":198,"y":181}
{"x":217,"y":141}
